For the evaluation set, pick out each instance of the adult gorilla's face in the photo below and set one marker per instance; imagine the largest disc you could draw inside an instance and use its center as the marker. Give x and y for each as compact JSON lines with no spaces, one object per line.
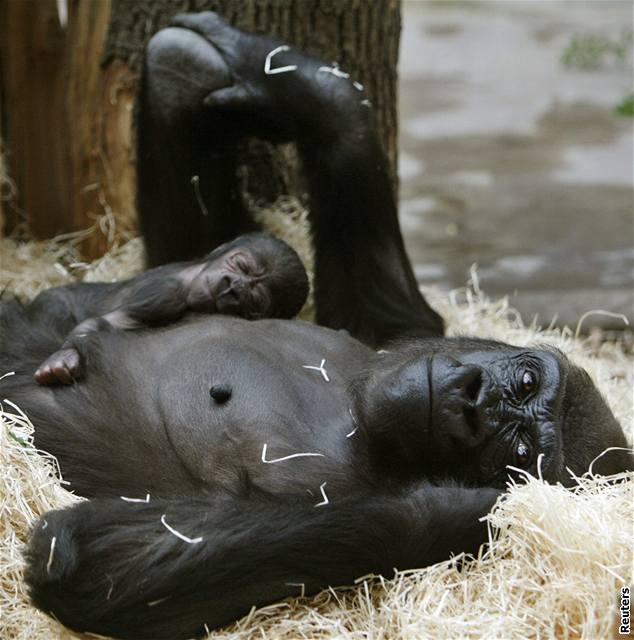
{"x":470,"y":409}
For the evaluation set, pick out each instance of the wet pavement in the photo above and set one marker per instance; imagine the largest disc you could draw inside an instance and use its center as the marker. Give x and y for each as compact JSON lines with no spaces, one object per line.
{"x":513,"y":161}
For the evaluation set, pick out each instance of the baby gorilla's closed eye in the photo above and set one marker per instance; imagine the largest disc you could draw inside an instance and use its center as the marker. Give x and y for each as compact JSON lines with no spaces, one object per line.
{"x":242,"y":263}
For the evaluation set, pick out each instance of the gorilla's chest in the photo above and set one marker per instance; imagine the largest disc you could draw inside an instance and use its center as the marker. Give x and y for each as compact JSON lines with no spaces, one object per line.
{"x":238,"y":399}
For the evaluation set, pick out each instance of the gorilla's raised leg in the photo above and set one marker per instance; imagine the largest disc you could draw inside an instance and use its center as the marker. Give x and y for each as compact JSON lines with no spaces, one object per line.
{"x":250,"y":85}
{"x":187,"y":195}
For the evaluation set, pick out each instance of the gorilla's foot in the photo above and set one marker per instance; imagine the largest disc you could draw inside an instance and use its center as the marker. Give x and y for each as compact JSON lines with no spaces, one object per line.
{"x":182,"y":69}
{"x":285,"y":93}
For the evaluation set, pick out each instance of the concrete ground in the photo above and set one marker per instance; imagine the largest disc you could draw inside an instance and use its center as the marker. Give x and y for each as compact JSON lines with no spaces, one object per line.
{"x":513,"y":161}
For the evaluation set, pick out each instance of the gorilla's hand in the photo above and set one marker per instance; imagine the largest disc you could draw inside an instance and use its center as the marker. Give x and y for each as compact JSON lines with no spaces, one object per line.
{"x":63,"y":367}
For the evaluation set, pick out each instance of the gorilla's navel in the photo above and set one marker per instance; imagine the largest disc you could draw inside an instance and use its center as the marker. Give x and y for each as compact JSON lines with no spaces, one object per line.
{"x":220,"y":393}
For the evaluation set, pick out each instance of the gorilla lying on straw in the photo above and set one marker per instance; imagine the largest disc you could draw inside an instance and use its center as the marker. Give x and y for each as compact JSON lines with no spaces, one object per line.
{"x":234,"y":462}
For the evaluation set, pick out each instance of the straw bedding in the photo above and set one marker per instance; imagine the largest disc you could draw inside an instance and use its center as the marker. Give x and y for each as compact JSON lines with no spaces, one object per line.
{"x":556,"y":563}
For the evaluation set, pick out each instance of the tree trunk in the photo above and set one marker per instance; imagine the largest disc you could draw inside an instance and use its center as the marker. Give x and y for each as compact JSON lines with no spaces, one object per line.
{"x":80,"y":125}
{"x":32,"y":58}
{"x":101,"y":104}
{"x":67,"y":120}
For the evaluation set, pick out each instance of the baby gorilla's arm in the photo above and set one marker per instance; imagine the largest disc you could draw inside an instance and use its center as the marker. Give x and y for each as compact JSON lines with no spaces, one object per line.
{"x":156,"y":297}
{"x":256,"y":275}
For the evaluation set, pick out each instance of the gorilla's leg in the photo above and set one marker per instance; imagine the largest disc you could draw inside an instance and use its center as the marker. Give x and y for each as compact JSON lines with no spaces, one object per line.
{"x":187,"y":196}
{"x":251,"y":85}
{"x":121,"y":569}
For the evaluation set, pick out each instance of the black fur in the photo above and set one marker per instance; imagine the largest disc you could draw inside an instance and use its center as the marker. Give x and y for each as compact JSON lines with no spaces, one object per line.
{"x":116,"y":570}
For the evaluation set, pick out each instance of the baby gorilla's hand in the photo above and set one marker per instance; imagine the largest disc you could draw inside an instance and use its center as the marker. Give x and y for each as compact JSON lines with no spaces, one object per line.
{"x":63,"y":367}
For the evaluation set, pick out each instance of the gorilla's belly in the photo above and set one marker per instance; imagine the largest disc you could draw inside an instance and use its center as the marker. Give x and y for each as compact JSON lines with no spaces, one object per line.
{"x":235,"y":396}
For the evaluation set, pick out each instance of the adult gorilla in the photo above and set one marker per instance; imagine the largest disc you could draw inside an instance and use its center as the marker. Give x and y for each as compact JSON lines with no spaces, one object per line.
{"x":321,"y":460}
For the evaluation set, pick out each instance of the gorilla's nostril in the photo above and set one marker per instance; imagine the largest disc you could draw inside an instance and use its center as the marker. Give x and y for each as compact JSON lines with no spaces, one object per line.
{"x":472,"y":389}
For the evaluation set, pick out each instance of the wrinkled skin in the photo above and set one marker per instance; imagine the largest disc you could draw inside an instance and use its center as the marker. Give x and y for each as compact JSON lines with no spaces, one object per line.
{"x":234,"y":285}
{"x":492,"y":410}
{"x":403,"y":451}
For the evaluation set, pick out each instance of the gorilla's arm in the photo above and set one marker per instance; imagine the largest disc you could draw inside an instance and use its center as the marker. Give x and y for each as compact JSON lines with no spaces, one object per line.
{"x":114,"y":568}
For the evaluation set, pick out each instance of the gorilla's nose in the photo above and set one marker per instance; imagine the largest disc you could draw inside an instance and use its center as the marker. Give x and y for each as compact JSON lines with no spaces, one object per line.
{"x":228,"y":298}
{"x":461,"y":394}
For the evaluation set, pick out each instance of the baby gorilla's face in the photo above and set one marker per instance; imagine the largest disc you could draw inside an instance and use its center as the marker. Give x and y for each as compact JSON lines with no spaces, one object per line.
{"x":236,"y":283}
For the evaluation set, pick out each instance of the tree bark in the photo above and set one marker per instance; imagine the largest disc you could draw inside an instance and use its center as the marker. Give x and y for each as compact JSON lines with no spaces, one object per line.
{"x":82,"y":130}
{"x":32,"y":58}
{"x":101,"y":106}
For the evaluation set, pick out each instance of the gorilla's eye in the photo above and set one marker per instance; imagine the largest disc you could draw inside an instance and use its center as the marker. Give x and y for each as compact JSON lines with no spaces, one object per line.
{"x":529,"y":382}
{"x":239,"y":262}
{"x":522,"y":454}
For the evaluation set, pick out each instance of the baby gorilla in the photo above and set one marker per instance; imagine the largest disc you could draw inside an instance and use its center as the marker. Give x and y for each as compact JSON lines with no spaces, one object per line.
{"x":253,"y":276}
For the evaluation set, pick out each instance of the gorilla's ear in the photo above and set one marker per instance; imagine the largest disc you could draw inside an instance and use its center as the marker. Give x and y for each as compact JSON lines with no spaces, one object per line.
{"x":589,"y":428}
